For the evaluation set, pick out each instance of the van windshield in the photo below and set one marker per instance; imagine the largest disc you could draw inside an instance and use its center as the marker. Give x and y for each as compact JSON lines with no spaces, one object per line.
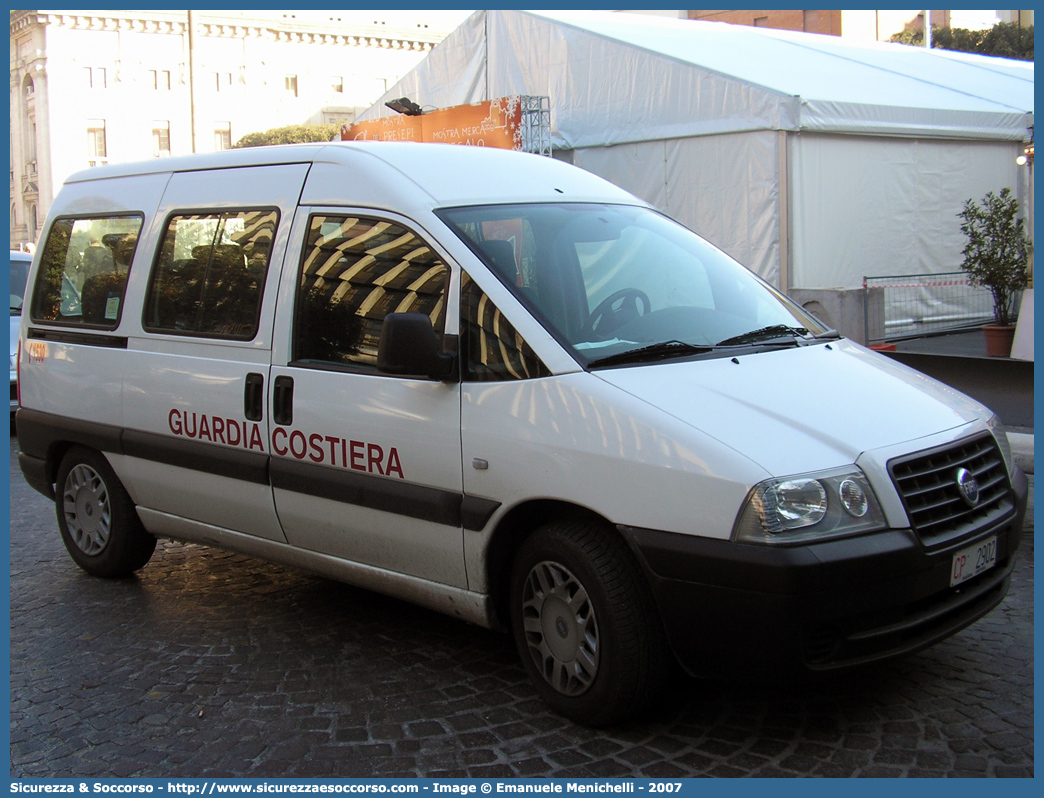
{"x":618,"y":283}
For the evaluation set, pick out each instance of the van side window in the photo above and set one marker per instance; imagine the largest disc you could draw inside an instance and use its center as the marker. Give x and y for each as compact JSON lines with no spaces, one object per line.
{"x":493,"y":349}
{"x":354,"y":272}
{"x":209,"y":277}
{"x":83,"y":271}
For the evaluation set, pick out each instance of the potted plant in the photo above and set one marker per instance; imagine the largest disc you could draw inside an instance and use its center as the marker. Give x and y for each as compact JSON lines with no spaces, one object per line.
{"x":996,"y":257}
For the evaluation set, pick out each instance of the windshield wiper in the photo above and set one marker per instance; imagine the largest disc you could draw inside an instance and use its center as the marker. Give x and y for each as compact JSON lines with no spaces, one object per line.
{"x":763,"y":334}
{"x":660,"y":351}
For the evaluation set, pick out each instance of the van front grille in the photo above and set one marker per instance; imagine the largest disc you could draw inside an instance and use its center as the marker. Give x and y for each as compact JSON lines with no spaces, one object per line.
{"x":939,"y":510}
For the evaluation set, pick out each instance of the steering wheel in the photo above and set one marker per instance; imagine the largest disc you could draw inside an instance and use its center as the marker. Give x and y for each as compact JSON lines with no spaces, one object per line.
{"x":616,"y":309}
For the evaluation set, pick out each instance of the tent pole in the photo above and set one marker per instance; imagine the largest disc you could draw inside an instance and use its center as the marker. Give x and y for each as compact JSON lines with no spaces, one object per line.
{"x":784,"y":210}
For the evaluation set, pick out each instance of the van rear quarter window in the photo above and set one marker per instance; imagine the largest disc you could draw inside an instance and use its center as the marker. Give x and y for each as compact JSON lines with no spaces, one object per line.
{"x":84,"y":269}
{"x":210,"y":275}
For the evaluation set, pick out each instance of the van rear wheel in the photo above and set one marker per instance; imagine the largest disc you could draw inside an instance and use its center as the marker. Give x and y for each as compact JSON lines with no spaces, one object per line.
{"x":99,"y":525}
{"x":585,"y":624}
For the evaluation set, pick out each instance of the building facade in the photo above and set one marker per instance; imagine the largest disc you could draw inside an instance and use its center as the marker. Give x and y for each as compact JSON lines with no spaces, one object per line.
{"x":863,"y":24}
{"x":95,"y":87}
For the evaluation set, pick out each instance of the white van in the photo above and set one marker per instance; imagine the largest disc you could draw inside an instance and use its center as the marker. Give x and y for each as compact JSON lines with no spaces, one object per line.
{"x":497,"y":386}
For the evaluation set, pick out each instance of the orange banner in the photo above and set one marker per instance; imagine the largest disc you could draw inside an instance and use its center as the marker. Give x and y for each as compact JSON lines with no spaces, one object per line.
{"x":492,"y":123}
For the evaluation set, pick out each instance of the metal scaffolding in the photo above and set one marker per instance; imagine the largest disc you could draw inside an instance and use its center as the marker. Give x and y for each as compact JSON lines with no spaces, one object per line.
{"x":536,"y":125}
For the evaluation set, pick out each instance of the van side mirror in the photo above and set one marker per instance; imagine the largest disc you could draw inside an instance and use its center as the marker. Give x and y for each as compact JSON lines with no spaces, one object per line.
{"x":410,"y":348}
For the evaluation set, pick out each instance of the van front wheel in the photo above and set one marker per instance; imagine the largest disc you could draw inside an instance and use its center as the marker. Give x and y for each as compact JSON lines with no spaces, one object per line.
{"x":585,"y":624}
{"x":99,"y":525}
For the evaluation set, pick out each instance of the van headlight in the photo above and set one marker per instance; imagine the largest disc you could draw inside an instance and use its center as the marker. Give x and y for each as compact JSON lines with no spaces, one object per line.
{"x":809,"y":507}
{"x":1000,"y":434}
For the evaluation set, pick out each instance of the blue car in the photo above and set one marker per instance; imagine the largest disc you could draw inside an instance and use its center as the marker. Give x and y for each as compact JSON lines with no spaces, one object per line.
{"x":19,"y":273}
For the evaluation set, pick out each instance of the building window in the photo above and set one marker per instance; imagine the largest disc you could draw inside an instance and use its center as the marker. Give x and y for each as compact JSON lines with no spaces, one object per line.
{"x":222,"y":136}
{"x":160,"y":79}
{"x":337,"y":84}
{"x":160,"y":139}
{"x":30,"y":87}
{"x":222,"y":81}
{"x":30,"y":143}
{"x":95,"y":77}
{"x":761,"y":22}
{"x":337,"y":118}
{"x":290,"y":83}
{"x":96,"y":149}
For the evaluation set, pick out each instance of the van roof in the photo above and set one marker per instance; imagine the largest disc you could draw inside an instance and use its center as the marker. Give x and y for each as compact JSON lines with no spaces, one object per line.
{"x":448,"y":173}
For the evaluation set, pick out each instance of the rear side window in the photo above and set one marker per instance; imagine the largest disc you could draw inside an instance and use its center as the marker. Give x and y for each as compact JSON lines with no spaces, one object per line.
{"x":83,"y":271}
{"x":209,"y":277}
{"x":354,"y":272}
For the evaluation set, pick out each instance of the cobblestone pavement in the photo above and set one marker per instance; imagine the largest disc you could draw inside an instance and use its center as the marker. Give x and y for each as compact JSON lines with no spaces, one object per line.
{"x":209,"y":664}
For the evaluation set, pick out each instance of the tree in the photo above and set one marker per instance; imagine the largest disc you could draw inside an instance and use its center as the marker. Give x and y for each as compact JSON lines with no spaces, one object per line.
{"x":291,"y":134}
{"x":1006,"y":40}
{"x":1009,"y":41}
{"x":997,"y":253}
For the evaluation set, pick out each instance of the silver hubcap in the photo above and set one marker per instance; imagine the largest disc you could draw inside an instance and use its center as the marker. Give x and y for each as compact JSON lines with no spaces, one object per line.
{"x":88,"y":516}
{"x":560,"y":628}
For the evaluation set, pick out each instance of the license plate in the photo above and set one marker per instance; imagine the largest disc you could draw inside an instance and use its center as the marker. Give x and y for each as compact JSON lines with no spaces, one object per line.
{"x":973,"y":560}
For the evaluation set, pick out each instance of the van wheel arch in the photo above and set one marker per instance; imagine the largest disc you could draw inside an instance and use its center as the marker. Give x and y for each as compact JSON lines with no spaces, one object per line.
{"x":98,"y":522}
{"x":585,"y":623}
{"x":55,"y":454}
{"x":511,"y":532}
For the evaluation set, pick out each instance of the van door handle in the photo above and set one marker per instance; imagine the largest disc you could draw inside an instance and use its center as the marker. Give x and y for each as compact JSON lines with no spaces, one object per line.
{"x":283,"y":401}
{"x":254,"y":397}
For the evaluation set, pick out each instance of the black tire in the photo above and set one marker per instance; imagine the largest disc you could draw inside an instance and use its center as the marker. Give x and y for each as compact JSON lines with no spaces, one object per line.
{"x":585,"y":624}
{"x":99,"y":525}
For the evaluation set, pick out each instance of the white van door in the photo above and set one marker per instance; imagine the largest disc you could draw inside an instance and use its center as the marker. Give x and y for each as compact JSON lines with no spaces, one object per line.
{"x":196,"y":418}
{"x":365,"y":466}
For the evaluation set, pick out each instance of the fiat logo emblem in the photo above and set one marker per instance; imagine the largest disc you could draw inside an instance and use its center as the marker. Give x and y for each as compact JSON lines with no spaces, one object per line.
{"x":968,"y":486}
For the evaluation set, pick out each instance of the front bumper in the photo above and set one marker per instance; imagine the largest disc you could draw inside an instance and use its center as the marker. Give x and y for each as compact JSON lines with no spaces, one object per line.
{"x":734,"y":609}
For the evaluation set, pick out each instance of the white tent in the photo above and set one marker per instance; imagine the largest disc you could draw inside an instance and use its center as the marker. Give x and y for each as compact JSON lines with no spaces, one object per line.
{"x":813,"y":160}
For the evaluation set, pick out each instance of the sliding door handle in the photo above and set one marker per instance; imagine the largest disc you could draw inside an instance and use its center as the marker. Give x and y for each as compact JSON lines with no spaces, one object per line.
{"x":254,"y":397}
{"x":283,"y":401}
